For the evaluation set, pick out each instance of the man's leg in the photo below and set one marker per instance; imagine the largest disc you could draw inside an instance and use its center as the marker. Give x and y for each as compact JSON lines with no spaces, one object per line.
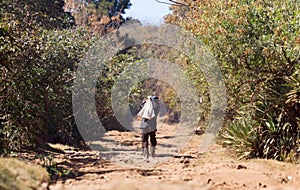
{"x":145,"y":137}
{"x":153,"y":142}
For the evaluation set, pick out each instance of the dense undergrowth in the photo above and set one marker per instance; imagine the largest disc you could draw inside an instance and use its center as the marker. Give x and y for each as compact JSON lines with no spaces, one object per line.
{"x":257,"y":45}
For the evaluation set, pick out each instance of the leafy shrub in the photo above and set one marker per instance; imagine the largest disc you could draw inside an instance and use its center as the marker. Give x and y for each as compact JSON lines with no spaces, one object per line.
{"x":257,"y":44}
{"x":39,"y":53}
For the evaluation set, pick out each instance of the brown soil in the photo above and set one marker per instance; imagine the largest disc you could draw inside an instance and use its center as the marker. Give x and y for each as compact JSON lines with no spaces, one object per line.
{"x":171,"y":169}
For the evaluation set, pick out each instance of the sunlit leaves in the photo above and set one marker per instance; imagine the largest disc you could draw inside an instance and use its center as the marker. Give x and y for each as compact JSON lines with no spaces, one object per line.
{"x":98,"y":16}
{"x":257,"y":45}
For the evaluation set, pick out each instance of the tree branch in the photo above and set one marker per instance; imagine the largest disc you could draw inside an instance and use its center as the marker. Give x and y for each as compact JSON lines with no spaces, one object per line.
{"x":173,"y":3}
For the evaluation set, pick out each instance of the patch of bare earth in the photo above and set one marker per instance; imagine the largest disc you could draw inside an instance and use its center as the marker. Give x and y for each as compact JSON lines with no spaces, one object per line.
{"x":179,"y":169}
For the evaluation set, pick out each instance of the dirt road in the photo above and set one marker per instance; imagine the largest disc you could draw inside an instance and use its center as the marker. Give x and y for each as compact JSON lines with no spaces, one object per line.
{"x":125,"y":167}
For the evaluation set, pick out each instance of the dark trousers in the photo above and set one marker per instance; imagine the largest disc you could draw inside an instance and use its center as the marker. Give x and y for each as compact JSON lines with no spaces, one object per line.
{"x":145,"y":139}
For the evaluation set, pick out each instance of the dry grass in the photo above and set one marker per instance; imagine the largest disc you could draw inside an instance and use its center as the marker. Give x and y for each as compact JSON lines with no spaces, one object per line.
{"x":18,"y":175}
{"x":61,"y":147}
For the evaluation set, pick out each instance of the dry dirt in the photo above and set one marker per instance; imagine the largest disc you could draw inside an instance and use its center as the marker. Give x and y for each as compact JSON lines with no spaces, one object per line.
{"x":124,"y":167}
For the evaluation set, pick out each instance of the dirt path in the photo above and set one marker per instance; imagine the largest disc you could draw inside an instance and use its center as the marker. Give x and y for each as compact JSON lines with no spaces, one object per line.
{"x":174,"y":170}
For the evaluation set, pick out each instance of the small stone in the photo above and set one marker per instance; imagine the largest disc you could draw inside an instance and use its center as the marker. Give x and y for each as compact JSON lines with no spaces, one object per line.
{"x":284,"y":180}
{"x":209,"y":180}
{"x":186,"y":161}
{"x":187,"y":179}
{"x":239,"y":167}
{"x":181,"y":160}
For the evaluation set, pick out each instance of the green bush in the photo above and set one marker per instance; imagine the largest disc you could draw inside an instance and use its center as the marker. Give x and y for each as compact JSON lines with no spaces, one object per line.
{"x":257,"y":44}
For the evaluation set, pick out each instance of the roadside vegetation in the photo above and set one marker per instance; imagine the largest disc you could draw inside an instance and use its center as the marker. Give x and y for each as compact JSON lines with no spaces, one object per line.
{"x":257,"y":45}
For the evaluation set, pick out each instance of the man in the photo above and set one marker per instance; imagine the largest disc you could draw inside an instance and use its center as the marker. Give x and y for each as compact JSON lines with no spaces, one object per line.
{"x":149,"y":113}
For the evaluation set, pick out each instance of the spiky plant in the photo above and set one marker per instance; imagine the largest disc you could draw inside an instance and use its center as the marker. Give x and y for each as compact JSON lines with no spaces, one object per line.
{"x":241,"y":137}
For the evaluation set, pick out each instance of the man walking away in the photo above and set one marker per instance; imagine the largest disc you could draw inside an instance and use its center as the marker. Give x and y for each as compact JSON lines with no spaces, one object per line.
{"x":149,"y":113}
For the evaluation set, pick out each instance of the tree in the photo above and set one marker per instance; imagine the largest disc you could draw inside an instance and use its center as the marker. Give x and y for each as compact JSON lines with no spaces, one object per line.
{"x":33,"y":72}
{"x":40,"y":50}
{"x":98,"y":16}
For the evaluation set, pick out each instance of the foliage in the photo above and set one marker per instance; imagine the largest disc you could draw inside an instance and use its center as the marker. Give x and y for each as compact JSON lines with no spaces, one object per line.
{"x":272,"y":133}
{"x":52,"y":168}
{"x":28,"y":15}
{"x":257,"y":45}
{"x":106,"y":80}
{"x":98,"y":16}
{"x":40,"y":50}
{"x":36,"y":99}
{"x":39,"y":53}
{"x":253,"y":41}
{"x":241,"y":136}
{"x":149,"y":86}
{"x":66,"y":47}
{"x":136,"y":56}
{"x":166,"y":92}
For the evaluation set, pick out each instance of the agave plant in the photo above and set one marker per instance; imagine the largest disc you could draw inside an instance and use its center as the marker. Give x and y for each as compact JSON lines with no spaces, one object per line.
{"x":278,"y":126}
{"x":278,"y":138}
{"x":294,"y":83}
{"x":293,"y":100}
{"x":241,"y":136}
{"x":272,"y":132}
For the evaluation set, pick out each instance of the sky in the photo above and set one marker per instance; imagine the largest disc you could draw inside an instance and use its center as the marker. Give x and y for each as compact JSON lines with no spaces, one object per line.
{"x":148,"y":11}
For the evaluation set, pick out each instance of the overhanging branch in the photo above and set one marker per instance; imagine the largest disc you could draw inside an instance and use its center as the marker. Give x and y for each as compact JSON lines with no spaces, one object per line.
{"x":173,"y":3}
